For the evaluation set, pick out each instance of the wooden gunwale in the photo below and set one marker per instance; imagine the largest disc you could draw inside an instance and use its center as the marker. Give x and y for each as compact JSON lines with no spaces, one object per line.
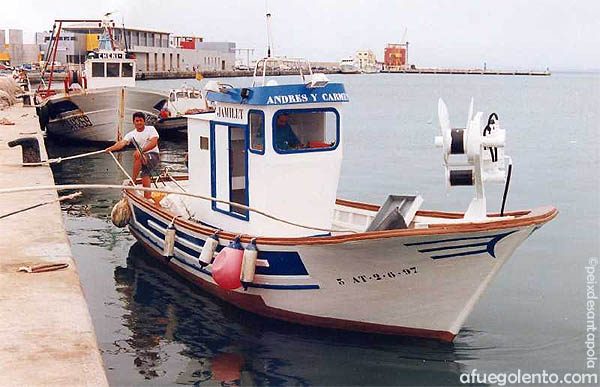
{"x":533,"y":217}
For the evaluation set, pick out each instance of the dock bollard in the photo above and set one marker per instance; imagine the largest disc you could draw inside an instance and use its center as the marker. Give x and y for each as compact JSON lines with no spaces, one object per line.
{"x":30,"y":147}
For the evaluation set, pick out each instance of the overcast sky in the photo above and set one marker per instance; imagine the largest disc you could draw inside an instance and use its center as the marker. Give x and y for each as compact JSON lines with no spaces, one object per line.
{"x":526,"y":34}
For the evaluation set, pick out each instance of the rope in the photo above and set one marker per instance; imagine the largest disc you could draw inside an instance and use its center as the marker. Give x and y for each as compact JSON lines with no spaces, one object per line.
{"x":122,"y":169}
{"x":60,"y":199}
{"x":167,"y":191}
{"x":61,"y":159}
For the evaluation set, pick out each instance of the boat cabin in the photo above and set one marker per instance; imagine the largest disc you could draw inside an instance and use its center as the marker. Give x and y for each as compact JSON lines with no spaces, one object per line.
{"x":109,"y":68}
{"x":275,"y":148}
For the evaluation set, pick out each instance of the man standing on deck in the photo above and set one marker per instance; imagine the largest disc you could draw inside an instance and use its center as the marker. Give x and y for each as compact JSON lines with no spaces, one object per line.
{"x":147,"y":139}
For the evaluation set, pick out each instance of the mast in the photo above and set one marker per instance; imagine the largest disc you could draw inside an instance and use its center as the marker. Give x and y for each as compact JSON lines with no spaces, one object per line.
{"x":269,"y":35}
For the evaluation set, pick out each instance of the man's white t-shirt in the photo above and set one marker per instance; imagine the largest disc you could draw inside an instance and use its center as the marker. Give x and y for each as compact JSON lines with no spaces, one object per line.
{"x":143,"y":137}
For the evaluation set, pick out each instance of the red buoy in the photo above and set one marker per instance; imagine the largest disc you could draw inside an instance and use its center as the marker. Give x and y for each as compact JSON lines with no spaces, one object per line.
{"x":227,"y":266}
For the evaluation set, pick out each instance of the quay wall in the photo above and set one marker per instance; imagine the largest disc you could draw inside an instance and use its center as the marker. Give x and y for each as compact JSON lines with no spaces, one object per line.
{"x":46,"y":332}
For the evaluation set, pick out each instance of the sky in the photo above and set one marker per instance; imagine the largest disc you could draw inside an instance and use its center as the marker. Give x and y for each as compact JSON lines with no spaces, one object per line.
{"x":506,"y":34}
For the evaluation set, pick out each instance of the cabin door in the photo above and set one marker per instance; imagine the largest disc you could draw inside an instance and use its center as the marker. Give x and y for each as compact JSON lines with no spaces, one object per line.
{"x":230,"y":169}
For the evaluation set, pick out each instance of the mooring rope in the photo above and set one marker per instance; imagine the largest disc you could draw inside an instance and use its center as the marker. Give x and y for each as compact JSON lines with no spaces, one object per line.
{"x":167,"y":191}
{"x":60,"y":199}
{"x":58,"y":159}
{"x":122,"y":169}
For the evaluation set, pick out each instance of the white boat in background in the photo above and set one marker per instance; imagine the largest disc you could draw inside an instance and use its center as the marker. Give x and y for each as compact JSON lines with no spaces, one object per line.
{"x":349,"y":66}
{"x":97,"y":103}
{"x":264,"y":231}
{"x":182,"y":102}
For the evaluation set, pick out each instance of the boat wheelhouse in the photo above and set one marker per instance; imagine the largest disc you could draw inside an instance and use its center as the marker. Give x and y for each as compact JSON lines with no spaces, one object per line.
{"x":257,"y":222}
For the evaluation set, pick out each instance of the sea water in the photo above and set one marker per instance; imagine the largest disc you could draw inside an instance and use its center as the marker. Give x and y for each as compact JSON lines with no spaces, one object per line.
{"x":155,"y":329}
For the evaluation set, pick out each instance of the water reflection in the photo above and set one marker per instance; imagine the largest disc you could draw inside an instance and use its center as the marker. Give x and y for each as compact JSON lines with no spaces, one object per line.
{"x":225,"y":345}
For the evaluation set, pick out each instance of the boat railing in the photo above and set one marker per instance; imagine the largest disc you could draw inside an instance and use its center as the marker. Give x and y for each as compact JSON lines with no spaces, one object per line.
{"x":284,"y":66}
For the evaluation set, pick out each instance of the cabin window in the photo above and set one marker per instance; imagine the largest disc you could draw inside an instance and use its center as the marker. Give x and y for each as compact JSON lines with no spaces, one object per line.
{"x":97,"y":69}
{"x":181,"y":94}
{"x":172,"y":97}
{"x":112,"y":70}
{"x":195,"y":95}
{"x":257,"y":131}
{"x":306,"y":130}
{"x":127,"y":70}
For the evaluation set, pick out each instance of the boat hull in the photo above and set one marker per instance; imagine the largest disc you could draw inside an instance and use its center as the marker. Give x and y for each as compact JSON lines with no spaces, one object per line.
{"x":420,"y":284}
{"x":171,"y":124}
{"x":100,"y":115}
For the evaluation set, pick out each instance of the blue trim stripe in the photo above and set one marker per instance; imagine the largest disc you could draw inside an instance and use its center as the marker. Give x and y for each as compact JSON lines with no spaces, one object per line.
{"x":281,"y":263}
{"x":489,"y":246}
{"x":452,"y":247}
{"x":204,"y":271}
{"x":446,"y":240}
{"x":459,"y":254}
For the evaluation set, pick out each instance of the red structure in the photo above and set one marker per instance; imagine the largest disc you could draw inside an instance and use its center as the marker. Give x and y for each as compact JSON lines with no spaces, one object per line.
{"x":187,"y":42}
{"x":395,"y":55}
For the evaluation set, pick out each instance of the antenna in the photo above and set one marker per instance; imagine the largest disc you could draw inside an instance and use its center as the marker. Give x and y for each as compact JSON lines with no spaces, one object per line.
{"x":124,"y":34}
{"x":403,"y":40}
{"x":269,"y":35}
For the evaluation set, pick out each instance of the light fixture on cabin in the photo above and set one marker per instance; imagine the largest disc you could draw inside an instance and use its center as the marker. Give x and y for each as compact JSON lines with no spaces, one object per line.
{"x":317,"y":80}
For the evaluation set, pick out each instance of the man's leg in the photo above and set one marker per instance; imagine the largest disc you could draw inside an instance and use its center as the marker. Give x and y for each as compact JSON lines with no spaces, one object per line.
{"x":137,"y":166}
{"x":146,"y":184}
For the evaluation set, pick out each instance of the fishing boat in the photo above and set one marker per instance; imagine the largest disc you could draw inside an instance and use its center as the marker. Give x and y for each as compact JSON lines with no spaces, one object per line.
{"x":349,"y":66}
{"x":257,"y":222}
{"x":98,"y":102}
{"x":182,"y":102}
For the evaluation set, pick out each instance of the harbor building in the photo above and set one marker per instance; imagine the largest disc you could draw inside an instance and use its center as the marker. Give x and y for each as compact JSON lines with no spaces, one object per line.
{"x":366,"y":61}
{"x":15,"y":51}
{"x":154,"y":50}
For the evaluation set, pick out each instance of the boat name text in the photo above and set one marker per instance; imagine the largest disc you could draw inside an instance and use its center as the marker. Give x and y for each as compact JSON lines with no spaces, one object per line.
{"x":305,"y":98}
{"x":230,"y":112}
{"x":110,"y":55}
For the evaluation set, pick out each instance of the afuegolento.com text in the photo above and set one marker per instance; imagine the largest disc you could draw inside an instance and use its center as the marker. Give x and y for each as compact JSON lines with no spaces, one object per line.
{"x":520,"y":377}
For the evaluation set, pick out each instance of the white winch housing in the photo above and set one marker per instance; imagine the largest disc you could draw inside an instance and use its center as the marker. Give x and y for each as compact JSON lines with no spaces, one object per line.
{"x":484,"y":150}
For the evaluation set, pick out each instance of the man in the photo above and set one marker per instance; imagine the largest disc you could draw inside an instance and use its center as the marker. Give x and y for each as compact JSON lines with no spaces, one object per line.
{"x":147,"y":139}
{"x":285,"y":138}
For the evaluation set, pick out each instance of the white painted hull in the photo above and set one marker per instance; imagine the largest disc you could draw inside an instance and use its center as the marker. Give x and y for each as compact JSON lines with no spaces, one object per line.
{"x":349,"y":69}
{"x":99,"y":114}
{"x":369,"y":69}
{"x":422,"y":284}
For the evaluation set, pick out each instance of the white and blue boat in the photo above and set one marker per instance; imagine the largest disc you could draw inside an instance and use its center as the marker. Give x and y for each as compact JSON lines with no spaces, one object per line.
{"x":323,"y":261}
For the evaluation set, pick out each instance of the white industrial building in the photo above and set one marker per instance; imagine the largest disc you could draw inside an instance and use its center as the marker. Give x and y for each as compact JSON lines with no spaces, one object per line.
{"x":154,"y":50}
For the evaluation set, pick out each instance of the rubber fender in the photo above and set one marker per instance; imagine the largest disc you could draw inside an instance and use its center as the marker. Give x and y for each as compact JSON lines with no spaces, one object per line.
{"x":227,"y":267}
{"x":30,"y":147}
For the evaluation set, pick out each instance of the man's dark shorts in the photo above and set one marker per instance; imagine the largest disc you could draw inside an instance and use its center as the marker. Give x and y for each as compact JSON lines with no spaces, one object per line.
{"x":152,"y":161}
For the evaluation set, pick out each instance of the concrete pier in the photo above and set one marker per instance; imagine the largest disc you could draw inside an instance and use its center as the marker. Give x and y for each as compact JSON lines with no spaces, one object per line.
{"x":46,"y":332}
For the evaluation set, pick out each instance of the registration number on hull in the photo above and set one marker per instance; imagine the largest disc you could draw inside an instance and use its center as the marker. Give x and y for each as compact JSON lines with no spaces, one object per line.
{"x":78,"y":122}
{"x":390,"y":275}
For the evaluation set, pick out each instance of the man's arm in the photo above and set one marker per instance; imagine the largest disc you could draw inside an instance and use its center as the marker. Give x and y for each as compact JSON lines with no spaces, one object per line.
{"x":151,"y":144}
{"x":117,"y":146}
